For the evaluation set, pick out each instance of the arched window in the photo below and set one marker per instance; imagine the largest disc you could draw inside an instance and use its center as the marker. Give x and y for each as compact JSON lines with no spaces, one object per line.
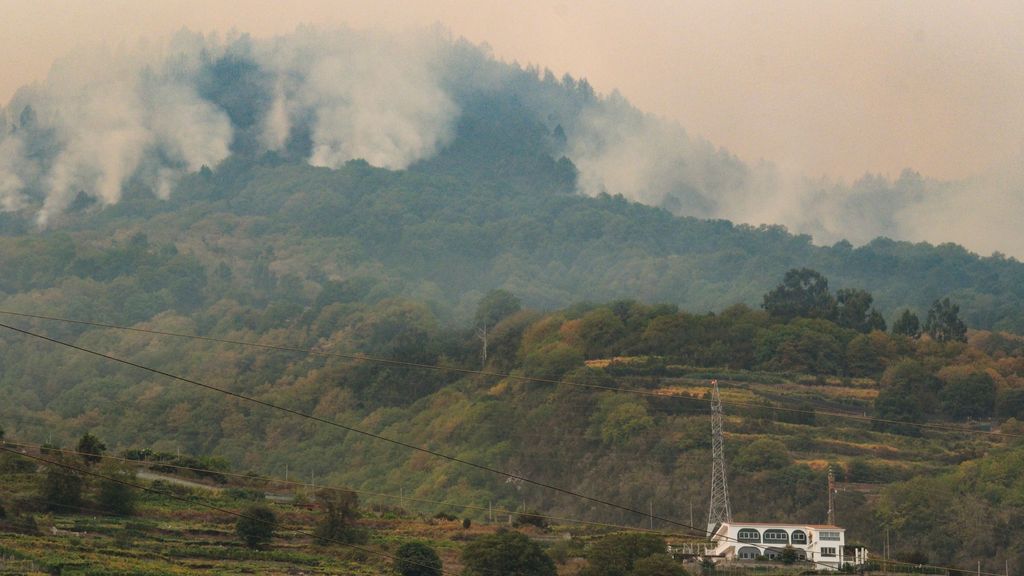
{"x":748,"y":535}
{"x":748,"y":553}
{"x":799,"y":537}
{"x":776,"y":536}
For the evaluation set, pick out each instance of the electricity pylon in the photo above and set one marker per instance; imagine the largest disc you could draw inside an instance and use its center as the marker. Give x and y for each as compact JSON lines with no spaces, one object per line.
{"x":719,"y":510}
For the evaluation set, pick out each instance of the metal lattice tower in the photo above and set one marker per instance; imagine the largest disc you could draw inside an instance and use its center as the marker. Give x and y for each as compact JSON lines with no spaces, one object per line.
{"x":719,"y":510}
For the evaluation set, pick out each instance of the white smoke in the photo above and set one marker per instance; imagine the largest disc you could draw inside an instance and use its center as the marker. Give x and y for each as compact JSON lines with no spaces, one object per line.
{"x":619,"y":150}
{"x":105,"y":118}
{"x":277,"y":124}
{"x":11,"y":162}
{"x":982,"y":213}
{"x":109,"y":110}
{"x":373,"y":97}
{"x":119,"y":115}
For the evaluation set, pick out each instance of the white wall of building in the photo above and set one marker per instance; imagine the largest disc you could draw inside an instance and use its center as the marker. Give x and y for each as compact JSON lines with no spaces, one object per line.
{"x":813,"y":542}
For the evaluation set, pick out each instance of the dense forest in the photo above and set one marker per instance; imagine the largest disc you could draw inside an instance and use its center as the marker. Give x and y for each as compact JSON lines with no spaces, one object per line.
{"x":489,"y":238}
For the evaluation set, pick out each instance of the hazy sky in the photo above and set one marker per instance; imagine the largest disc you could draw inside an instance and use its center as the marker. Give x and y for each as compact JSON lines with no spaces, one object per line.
{"x":820,"y":87}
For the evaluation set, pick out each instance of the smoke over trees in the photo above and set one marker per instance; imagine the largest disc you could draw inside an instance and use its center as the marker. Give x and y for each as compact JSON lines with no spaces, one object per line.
{"x":107,"y":122}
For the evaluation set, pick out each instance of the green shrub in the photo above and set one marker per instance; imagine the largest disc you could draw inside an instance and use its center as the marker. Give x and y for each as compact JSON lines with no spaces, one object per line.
{"x":115,"y":496}
{"x":616,"y":554}
{"x":91,"y":448}
{"x":506,"y":552}
{"x":340,"y":511}
{"x":62,"y":487}
{"x":417,"y":559}
{"x":256,"y":526}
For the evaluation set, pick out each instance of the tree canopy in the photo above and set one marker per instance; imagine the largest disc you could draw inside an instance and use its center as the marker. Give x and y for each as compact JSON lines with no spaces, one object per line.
{"x":944,"y":324}
{"x":618,"y":554}
{"x":907,"y":324}
{"x":256,"y":526}
{"x":417,"y":559}
{"x":91,"y":448}
{"x":803,"y":294}
{"x":507,"y":552}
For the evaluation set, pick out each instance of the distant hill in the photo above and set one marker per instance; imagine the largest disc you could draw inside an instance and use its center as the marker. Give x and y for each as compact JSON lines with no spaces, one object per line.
{"x":486,"y":213}
{"x":495,"y":182}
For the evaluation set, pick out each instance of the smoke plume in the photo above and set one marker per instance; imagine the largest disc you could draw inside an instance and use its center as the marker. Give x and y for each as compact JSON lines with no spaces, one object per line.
{"x":106,"y":119}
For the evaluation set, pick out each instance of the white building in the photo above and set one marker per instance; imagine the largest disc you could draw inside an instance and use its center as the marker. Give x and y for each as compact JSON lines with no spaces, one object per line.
{"x":818,"y":543}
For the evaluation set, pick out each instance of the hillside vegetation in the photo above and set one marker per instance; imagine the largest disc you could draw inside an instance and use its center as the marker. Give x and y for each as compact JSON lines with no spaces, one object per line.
{"x":628,"y":448}
{"x":600,"y":291}
{"x":497,"y":207}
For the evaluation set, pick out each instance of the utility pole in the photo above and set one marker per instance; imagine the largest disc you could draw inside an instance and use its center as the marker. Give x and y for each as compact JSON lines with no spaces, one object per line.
{"x":652,"y":513}
{"x":886,"y":549}
{"x":481,"y":334}
{"x":719,"y":509}
{"x":831,"y":497}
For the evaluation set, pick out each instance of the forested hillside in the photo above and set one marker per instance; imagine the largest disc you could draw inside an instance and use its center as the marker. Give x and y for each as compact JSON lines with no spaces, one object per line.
{"x":510,"y":197}
{"x":789,"y":384}
{"x":444,"y":233}
{"x":403,"y":262}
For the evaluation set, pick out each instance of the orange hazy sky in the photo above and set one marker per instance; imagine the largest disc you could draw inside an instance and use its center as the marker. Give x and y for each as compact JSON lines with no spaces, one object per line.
{"x":819,"y":87}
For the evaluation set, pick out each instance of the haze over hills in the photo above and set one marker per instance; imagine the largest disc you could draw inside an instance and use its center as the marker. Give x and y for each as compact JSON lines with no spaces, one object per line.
{"x":161,"y":109}
{"x":508,"y":170}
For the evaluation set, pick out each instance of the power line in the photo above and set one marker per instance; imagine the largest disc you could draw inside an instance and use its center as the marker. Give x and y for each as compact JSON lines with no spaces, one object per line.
{"x":377,"y":436}
{"x":434,"y":453}
{"x":347,"y":428}
{"x":503,"y":375}
{"x":206,"y":505}
{"x":524,"y":441}
{"x":269,"y":479}
{"x":393,"y":441}
{"x":937,"y":567}
{"x":451,"y":458}
{"x":298,"y":484}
